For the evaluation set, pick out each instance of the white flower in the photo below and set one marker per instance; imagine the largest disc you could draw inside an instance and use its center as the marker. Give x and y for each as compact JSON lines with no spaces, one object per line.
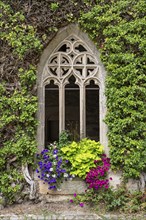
{"x":51,"y":169}
{"x":47,"y":175}
{"x":58,"y":189}
{"x":54,"y":175}
{"x":73,"y":175}
{"x":54,"y":163}
{"x":65,"y":175}
{"x":54,"y":155}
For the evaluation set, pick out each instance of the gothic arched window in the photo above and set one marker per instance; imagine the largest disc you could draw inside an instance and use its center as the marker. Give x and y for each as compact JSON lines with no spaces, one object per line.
{"x":71,"y":91}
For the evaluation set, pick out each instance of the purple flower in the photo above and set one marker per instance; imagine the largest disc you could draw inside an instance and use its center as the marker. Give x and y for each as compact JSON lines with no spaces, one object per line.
{"x":63,"y":170}
{"x":52,"y":187}
{"x":55,"y":151}
{"x":71,"y":200}
{"x":51,"y":168}
{"x":75,"y":194}
{"x":81,"y":204}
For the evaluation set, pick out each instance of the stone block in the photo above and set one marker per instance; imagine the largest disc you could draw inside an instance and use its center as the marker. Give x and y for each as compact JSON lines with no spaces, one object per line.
{"x":116,"y":179}
{"x":67,"y":188}
{"x":137,"y":184}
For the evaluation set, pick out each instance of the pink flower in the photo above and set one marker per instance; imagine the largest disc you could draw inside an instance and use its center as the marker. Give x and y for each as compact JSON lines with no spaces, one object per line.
{"x":111,"y":178}
{"x":71,"y":200}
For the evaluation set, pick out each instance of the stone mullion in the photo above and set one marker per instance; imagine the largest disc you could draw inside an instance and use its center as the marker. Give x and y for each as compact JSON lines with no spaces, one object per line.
{"x":61,"y":108}
{"x":82,"y":112}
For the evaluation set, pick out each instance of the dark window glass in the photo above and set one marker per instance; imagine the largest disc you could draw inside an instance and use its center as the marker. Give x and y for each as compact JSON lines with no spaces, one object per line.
{"x":51,"y":113}
{"x":72,"y":109}
{"x":92,"y":111}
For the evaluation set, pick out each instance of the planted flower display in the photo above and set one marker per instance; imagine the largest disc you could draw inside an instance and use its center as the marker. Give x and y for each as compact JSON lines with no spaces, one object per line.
{"x":64,"y":160}
{"x":96,"y":179}
{"x":52,"y":168}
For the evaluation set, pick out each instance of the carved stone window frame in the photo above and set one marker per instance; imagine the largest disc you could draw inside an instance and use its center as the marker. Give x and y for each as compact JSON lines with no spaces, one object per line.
{"x":59,"y":65}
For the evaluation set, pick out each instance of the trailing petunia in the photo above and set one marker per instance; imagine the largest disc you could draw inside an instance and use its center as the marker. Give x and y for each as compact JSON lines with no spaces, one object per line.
{"x":52,"y":169}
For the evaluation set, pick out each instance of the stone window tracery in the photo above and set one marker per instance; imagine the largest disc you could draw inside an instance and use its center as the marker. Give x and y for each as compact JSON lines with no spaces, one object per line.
{"x":72,"y":57}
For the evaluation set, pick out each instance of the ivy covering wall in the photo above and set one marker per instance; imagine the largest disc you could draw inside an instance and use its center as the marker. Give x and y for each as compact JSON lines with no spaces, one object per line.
{"x":26,"y":29}
{"x":118,"y":28}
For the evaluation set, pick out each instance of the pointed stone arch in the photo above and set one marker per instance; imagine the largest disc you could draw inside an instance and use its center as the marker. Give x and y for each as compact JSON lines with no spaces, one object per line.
{"x":71,"y":52}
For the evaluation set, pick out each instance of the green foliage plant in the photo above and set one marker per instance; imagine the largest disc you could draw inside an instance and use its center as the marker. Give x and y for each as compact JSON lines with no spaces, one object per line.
{"x":11,"y":184}
{"x":64,"y":138}
{"x":54,"y":6}
{"x":19,"y":35}
{"x":112,"y":200}
{"x":82,"y":155}
{"x":17,"y":114}
{"x":18,"y":104}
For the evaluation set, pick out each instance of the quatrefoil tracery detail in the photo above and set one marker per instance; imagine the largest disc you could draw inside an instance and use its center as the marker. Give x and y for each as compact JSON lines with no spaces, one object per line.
{"x":72,"y":55}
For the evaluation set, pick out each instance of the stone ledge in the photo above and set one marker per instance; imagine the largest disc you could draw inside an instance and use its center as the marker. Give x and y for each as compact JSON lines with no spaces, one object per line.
{"x":67,"y":216}
{"x":72,"y":216}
